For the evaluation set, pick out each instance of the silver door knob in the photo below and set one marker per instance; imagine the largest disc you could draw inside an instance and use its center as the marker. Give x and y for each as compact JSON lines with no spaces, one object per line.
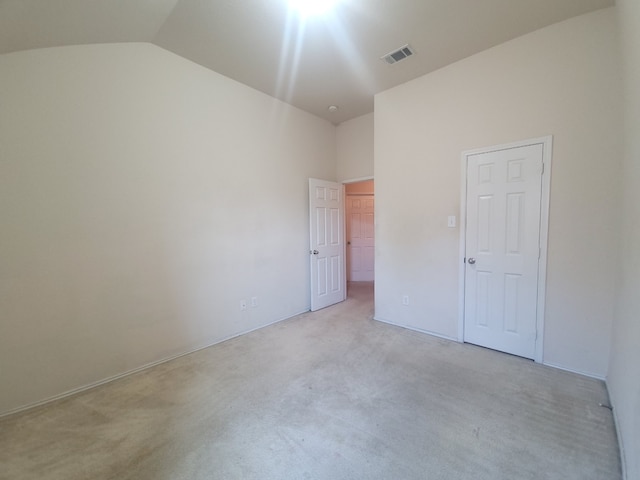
{"x":472,"y":261}
{"x":315,"y":252}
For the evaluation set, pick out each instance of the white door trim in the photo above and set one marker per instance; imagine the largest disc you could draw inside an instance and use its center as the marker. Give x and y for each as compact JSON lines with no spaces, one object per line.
{"x":547,"y":146}
{"x":356,"y":180}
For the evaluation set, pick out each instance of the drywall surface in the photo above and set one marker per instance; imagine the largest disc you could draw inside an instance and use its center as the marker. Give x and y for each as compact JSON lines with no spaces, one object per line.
{"x":564,"y":81}
{"x":354,"y":148}
{"x":624,"y":372}
{"x":142,"y":197}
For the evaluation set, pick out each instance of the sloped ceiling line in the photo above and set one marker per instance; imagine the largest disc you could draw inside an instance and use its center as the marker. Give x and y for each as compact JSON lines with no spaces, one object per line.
{"x":333,"y":60}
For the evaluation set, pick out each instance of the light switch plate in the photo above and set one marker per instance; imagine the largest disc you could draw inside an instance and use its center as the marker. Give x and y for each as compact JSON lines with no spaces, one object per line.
{"x":451,"y":221}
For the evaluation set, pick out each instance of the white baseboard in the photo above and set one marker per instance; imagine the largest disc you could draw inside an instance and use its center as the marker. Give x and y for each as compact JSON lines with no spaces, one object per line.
{"x":455,"y":339}
{"x":91,"y":385}
{"x":573,"y":370}
{"x":616,"y":423}
{"x":415,"y":329}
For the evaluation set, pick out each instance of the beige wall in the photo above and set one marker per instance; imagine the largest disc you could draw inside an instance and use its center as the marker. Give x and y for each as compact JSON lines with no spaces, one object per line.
{"x":354,"y":148}
{"x":624,"y":371}
{"x":135,"y":212}
{"x":562,"y":80}
{"x":141,"y":198}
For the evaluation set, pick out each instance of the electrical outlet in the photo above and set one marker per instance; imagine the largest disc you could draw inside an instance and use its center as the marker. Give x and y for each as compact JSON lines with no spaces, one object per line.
{"x":243,"y":304}
{"x":254,"y":302}
{"x":405,"y":300}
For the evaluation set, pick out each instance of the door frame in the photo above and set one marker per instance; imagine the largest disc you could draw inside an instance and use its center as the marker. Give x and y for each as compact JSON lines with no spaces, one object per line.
{"x":345,"y":183}
{"x":547,"y":148}
{"x":347,"y":232}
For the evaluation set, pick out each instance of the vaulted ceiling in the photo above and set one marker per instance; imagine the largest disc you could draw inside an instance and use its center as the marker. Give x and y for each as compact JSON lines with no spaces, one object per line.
{"x":311,"y":63}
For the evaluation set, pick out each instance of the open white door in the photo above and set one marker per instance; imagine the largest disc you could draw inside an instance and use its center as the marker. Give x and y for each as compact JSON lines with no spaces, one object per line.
{"x":326,"y":218}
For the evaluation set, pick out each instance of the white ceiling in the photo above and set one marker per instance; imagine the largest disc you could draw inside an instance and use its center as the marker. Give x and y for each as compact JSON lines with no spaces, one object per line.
{"x":334,"y":60}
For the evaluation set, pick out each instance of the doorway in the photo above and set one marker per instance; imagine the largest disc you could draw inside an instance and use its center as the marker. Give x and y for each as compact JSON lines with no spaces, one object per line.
{"x":503,"y":241}
{"x":360,"y":231}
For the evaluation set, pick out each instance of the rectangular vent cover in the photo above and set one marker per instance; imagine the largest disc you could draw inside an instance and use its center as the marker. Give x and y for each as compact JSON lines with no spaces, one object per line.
{"x":397,"y":55}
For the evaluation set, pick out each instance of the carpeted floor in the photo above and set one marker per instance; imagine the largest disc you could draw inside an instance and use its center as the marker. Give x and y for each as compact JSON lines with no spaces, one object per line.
{"x":328,"y":395}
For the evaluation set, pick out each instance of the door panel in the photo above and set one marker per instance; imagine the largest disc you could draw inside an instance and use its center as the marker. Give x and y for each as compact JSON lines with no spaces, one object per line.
{"x":326,"y":206}
{"x":361,"y":238}
{"x":502,"y":248}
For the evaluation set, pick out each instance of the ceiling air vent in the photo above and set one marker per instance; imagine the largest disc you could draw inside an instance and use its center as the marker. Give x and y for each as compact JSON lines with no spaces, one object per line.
{"x":397,"y":55}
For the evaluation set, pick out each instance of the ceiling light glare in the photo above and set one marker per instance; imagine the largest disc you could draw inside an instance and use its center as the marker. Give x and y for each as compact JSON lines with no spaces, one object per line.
{"x":312,"y":8}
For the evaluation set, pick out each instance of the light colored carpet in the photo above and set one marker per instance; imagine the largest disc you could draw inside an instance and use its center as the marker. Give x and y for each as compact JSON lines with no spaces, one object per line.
{"x":328,"y":395}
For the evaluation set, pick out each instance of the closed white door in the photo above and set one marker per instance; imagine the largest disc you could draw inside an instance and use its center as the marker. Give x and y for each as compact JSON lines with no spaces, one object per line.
{"x":327,"y":252}
{"x":502,"y":249}
{"x":360,"y":237}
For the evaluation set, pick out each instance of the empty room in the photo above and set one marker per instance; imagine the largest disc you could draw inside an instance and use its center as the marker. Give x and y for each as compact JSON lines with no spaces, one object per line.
{"x":346,"y":239}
